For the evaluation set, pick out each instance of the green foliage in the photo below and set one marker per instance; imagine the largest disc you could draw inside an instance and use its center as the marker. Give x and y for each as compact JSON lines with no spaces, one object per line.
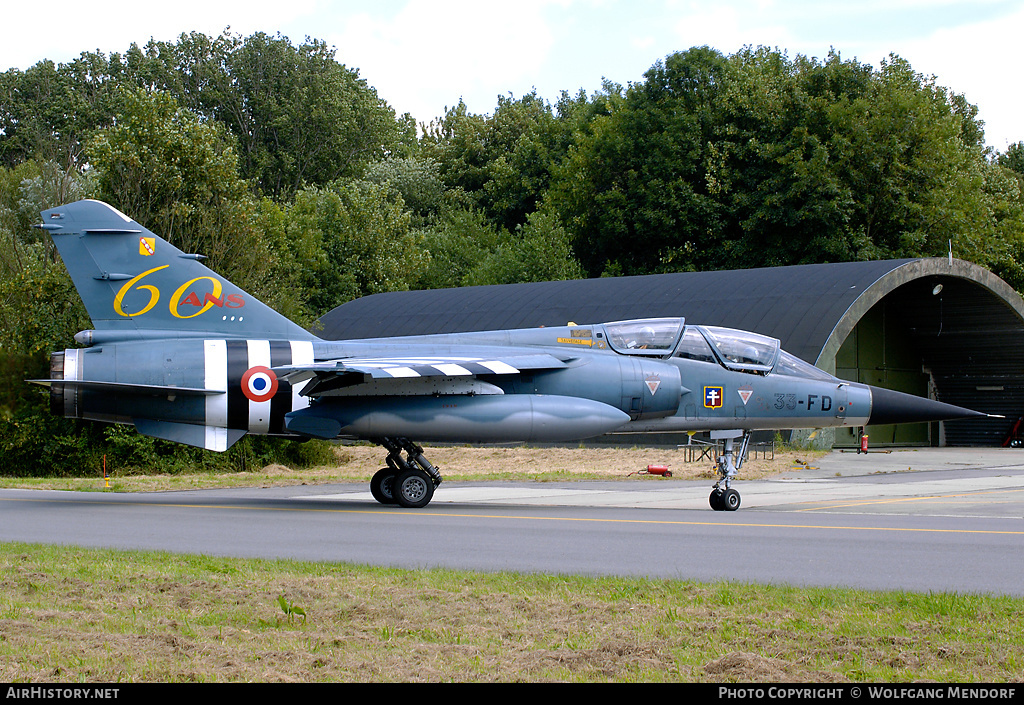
{"x":39,"y":308}
{"x":759,"y":160}
{"x":35,"y":443}
{"x":297,"y":115}
{"x":164,"y":163}
{"x":39,"y":311}
{"x":1013,"y":158}
{"x":355,"y":239}
{"x":459,"y":241}
{"x":500,"y":164}
{"x":48,"y":111}
{"x":417,"y":180}
{"x":537,"y":251}
{"x":466,"y":250}
{"x":630,"y":191}
{"x":25,"y":190}
{"x":290,"y":609}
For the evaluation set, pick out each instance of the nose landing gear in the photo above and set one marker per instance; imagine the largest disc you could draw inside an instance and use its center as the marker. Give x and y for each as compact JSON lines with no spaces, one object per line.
{"x":723,"y":498}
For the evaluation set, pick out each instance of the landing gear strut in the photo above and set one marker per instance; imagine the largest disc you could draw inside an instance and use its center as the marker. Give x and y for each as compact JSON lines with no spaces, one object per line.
{"x":407,"y":482}
{"x":723,"y":497}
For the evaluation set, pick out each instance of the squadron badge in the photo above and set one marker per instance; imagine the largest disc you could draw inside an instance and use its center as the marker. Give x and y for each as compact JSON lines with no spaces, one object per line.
{"x":714,"y":397}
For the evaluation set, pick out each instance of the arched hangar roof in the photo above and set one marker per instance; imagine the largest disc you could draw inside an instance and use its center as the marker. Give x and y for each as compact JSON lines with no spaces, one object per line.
{"x":795,"y":304}
{"x":809,"y":308}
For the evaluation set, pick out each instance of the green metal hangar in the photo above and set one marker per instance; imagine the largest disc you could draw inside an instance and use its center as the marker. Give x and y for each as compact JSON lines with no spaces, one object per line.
{"x":939,"y":328}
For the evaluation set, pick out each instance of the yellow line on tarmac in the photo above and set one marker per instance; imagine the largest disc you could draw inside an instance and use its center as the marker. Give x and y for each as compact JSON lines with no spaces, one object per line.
{"x":430,"y":514}
{"x":740,"y":524}
{"x":906,"y":499}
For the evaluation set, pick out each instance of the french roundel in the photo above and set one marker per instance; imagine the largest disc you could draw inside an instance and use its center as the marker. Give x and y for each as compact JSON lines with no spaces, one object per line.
{"x":259,"y":384}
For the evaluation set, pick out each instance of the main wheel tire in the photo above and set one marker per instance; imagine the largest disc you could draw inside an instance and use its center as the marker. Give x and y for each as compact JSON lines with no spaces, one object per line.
{"x":715,"y":500}
{"x":730,"y":500}
{"x":413,"y":489}
{"x":382,"y":486}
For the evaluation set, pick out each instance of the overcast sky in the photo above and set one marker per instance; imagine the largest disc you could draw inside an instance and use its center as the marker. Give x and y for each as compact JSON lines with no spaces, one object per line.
{"x":425,"y":55}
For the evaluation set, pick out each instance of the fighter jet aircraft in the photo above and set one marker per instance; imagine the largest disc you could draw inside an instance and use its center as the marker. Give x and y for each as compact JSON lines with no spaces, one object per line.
{"x":185,"y":355}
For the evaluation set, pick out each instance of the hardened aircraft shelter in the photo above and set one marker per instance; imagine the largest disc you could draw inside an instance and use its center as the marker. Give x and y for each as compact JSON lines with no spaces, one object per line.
{"x":936,"y":327}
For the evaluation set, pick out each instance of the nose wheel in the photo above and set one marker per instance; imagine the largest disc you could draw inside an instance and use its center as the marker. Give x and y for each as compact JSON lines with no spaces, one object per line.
{"x":723,"y":497}
{"x":724,"y":500}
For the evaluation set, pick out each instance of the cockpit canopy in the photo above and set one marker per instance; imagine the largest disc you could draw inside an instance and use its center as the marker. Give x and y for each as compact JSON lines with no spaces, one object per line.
{"x":734,"y":349}
{"x":655,"y":336}
{"x":742,"y":350}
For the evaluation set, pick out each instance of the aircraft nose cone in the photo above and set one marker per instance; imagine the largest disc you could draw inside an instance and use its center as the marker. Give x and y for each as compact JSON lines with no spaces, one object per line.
{"x":889,"y":407}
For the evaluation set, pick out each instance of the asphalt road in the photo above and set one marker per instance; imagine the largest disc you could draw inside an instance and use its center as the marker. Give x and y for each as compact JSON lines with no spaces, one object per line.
{"x":930,"y":520}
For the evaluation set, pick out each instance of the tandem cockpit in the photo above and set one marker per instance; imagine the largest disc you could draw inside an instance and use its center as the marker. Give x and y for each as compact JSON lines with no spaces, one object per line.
{"x":736,"y":350}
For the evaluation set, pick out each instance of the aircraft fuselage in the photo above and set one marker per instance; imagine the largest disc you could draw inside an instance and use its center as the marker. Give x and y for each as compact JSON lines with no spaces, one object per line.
{"x":593,"y":390}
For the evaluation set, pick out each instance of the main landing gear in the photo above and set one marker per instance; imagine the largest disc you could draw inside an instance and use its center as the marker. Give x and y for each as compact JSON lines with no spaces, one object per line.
{"x":723,"y":497}
{"x":407,"y":482}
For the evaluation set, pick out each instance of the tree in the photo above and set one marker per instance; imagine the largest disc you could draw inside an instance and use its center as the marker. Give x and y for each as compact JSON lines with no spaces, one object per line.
{"x":759,"y":160}
{"x":538,"y":251}
{"x":459,"y":240}
{"x":48,"y":111}
{"x":632,"y":190}
{"x":1013,"y":159}
{"x":300,"y":116}
{"x":354,"y":240}
{"x":416,"y":179}
{"x":501,"y":163}
{"x":297,"y":114}
{"x":40,"y":310}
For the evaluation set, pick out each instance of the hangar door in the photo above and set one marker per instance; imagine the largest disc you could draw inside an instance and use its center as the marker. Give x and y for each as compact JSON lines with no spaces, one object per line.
{"x":881,"y":352}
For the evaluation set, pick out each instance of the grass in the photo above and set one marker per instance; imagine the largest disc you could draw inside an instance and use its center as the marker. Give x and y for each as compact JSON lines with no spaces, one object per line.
{"x":73,"y":614}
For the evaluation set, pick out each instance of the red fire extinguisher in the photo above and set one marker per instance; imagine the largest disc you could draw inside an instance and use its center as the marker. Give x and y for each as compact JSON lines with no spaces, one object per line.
{"x":863,"y":444}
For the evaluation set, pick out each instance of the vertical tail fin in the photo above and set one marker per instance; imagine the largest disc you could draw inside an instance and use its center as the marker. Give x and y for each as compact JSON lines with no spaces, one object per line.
{"x":135,"y":284}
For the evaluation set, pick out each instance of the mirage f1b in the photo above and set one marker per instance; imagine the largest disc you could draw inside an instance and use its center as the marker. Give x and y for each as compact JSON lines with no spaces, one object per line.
{"x":184,"y":355}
